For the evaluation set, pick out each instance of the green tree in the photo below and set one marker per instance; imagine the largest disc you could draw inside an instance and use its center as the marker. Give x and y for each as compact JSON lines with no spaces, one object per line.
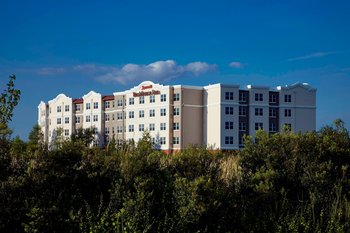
{"x":36,"y":140}
{"x":86,"y":136}
{"x":8,"y":101}
{"x":9,"y":98}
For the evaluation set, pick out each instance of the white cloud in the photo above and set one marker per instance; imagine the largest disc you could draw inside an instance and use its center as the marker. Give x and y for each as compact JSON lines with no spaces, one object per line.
{"x":236,"y":65}
{"x":50,"y":70}
{"x":156,"y":71}
{"x":312,"y":55}
{"x":91,"y":68}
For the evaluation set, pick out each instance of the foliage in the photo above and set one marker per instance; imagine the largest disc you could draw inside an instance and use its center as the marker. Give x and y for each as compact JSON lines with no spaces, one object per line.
{"x":282,"y":183}
{"x":9,"y":98}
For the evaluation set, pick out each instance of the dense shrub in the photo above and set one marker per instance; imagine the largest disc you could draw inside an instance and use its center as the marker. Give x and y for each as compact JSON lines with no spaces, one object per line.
{"x":283,"y":183}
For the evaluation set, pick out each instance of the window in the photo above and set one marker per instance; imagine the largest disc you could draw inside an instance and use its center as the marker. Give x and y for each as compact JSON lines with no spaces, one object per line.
{"x":87,"y":106}
{"x":176,"y":111}
{"x":229,"y":110}
{"x":141,"y":127}
{"x":287,"y":112}
{"x":66,"y":120}
{"x":152,"y":99}
{"x":59,"y":109}
{"x":272,"y":112}
{"x":142,"y":100}
{"x":95,"y":118}
{"x":77,"y":120}
{"x":141,"y":113}
{"x":131,"y":101}
{"x":95,"y":105}
{"x":242,"y":97}
{"x":176,"y":140}
{"x":112,"y":116}
{"x":119,"y":129}
{"x":242,"y":111}
{"x":162,"y":97}
{"x":228,"y":95}
{"x":113,"y":105}
{"x":131,"y":114}
{"x":163,"y":112}
{"x":119,"y":116}
{"x":59,"y":121}
{"x":152,"y":127}
{"x":229,"y":140}
{"x":66,"y":108}
{"x":228,"y":125}
{"x":77,"y":107}
{"x":259,"y":125}
{"x":272,"y":127}
{"x":258,"y":97}
{"x":242,"y":126}
{"x":66,"y":132}
{"x":162,"y":126}
{"x":106,"y":130}
{"x":258,"y":112}
{"x":176,"y":96}
{"x":288,"y":127}
{"x":119,"y":103}
{"x":176,"y":126}
{"x":107,"y":104}
{"x":87,"y":118}
{"x":152,"y":113}
{"x":272,"y":98}
{"x":162,"y":140}
{"x":131,"y":128}
{"x":287,"y":98}
{"x":106,"y":117}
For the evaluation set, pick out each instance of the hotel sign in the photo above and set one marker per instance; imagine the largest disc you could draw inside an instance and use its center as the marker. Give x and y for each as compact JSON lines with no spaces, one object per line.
{"x":146,"y":93}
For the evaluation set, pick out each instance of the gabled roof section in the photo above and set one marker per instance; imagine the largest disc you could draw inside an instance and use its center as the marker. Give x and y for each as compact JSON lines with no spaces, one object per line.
{"x":306,"y":86}
{"x":156,"y":86}
{"x":257,"y":87}
{"x":60,"y":96}
{"x":90,"y":94}
{"x":42,"y":103}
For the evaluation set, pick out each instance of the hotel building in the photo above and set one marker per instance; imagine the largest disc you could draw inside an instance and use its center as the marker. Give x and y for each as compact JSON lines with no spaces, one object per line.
{"x":176,"y":116}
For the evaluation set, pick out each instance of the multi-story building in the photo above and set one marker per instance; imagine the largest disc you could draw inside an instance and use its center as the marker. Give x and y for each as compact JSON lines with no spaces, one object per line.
{"x":177,"y":116}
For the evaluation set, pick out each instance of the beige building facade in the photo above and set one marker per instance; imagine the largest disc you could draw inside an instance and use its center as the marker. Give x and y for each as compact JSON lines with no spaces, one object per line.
{"x":176,"y":116}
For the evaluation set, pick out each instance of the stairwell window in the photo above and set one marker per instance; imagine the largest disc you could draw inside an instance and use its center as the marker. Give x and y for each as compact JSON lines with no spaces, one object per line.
{"x":229,"y":110}
{"x":259,"y":97}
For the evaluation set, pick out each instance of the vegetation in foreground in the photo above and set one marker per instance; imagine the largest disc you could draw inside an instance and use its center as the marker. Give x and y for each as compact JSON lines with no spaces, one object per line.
{"x":283,"y":183}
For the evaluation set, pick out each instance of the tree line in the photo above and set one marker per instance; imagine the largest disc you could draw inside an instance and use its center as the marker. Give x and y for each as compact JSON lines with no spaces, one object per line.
{"x":281,"y":182}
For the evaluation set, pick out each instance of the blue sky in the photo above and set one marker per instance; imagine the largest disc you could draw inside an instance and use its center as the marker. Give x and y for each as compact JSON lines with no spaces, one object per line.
{"x":77,"y":46}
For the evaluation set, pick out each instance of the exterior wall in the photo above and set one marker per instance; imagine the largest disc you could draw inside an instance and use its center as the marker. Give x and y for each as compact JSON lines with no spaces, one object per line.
{"x":78,"y":113}
{"x":257,"y":104}
{"x":210,"y":115}
{"x":92,"y":98}
{"x":43,"y":119}
{"x":229,"y":118}
{"x":191,"y":125}
{"x":138,"y":93}
{"x":110,"y":118}
{"x":58,"y":115}
{"x":302,"y":106}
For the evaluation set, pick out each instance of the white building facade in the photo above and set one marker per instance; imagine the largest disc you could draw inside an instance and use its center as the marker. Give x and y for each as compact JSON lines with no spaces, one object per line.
{"x":176,"y":116}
